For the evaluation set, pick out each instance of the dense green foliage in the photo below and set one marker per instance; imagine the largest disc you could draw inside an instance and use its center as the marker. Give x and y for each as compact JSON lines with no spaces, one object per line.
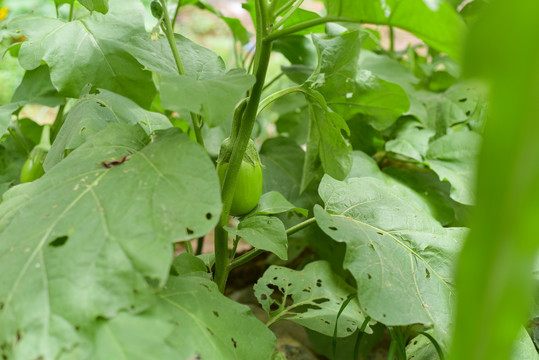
{"x":361,"y":193}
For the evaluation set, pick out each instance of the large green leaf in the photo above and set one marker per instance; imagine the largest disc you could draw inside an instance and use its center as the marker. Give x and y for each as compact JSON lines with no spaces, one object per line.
{"x":454,"y":157}
{"x":78,"y":243}
{"x":92,"y":113}
{"x":317,"y":296}
{"x":400,"y":256}
{"x":198,"y":61}
{"x":435,"y":22}
{"x":210,"y":325}
{"x":88,"y":50}
{"x":214,"y":99}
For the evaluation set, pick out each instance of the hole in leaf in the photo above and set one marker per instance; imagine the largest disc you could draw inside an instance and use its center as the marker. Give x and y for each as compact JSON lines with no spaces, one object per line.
{"x":427,"y":273}
{"x":468,"y":113}
{"x":215,"y":313}
{"x":384,"y":315}
{"x":320,"y":301}
{"x":332,"y":228}
{"x":209,"y":216}
{"x":274,"y":307}
{"x":307,"y":290}
{"x":234,"y":342}
{"x":463,"y":100}
{"x":327,"y":322}
{"x":319,"y":283}
{"x":275,"y":278}
{"x":379,"y":233}
{"x":209,"y":330}
{"x":304,"y":308}
{"x":59,"y":241}
{"x":349,"y":330}
{"x":263,"y":297}
{"x":369,"y":276}
{"x":189,"y":231}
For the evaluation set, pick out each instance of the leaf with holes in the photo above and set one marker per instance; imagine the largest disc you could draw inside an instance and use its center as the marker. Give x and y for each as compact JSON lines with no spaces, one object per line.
{"x":400,"y":256}
{"x":79,"y":242}
{"x":311,"y":297}
{"x":202,"y":319}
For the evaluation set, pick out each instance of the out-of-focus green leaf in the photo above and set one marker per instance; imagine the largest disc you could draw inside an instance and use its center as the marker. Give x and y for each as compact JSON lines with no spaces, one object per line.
{"x":494,"y":280}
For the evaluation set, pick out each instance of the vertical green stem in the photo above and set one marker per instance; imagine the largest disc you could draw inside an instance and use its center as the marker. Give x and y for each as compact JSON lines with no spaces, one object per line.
{"x":189,"y":247}
{"x":170,"y":37}
{"x":169,"y":32}
{"x":58,"y":122}
{"x":200,"y":245}
{"x":176,"y":12}
{"x":71,"y":11}
{"x":262,"y":57}
{"x":391,"y":41}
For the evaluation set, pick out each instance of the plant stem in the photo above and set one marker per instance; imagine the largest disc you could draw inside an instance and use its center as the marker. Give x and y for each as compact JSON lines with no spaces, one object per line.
{"x":189,"y":247}
{"x":176,"y":12}
{"x":262,"y":57}
{"x":169,"y":32}
{"x":360,"y":337}
{"x":391,"y":41}
{"x":273,"y":80}
{"x":58,"y":122}
{"x":276,"y":96}
{"x":171,"y":40}
{"x":284,"y":7}
{"x":307,"y":24}
{"x":197,"y":126}
{"x":248,"y":256}
{"x":200,"y":245}
{"x":71,"y":11}
{"x":288,"y":14}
